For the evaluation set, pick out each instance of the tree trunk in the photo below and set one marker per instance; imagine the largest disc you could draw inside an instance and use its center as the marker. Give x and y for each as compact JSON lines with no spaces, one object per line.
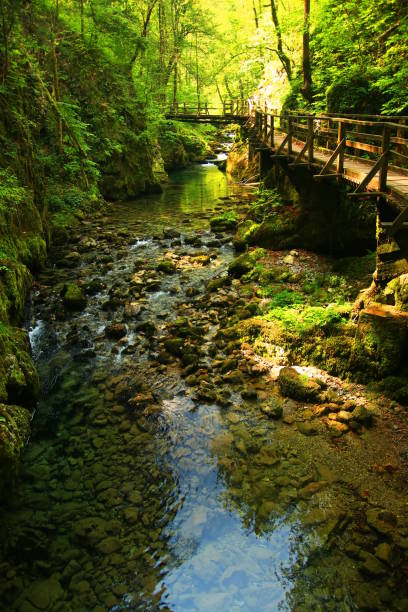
{"x":82,"y":20}
{"x":197,"y":75}
{"x":285,"y":61}
{"x":307,"y":69}
{"x":6,"y":32}
{"x":57,"y":96}
{"x":255,"y":14}
{"x":175,"y":79}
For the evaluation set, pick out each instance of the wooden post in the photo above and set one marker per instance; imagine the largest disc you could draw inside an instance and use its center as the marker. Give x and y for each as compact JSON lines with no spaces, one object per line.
{"x":385,"y":148}
{"x":223,"y":107}
{"x":290,"y":135}
{"x":310,"y":135}
{"x":265,"y":130}
{"x":272,"y":132}
{"x":257,"y":121}
{"x":176,"y":108}
{"x":185,"y":108}
{"x":341,"y":135}
{"x":206,"y":108}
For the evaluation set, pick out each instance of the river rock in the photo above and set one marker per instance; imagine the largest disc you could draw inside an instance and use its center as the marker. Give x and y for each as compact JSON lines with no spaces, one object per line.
{"x":371,"y":565}
{"x":273,"y":408}
{"x":73,"y":296}
{"x":381,"y":520}
{"x":167,"y":266}
{"x":174,"y":346}
{"x":170,"y":232}
{"x":115,"y":330}
{"x":44,"y":593}
{"x":109,"y":546}
{"x":298,"y":386}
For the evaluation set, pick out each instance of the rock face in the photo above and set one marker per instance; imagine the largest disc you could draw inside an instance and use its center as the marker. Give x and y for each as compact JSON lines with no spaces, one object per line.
{"x":298,"y":386}
{"x":14,"y":431}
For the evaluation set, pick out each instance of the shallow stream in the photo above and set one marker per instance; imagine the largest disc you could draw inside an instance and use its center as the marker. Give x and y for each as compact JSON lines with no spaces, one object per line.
{"x":141,"y":492}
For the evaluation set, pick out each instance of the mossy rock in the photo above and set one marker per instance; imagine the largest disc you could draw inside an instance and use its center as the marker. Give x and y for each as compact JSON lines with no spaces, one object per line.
{"x":244,"y":234}
{"x":174,"y":346}
{"x":19,"y":381}
{"x":273,"y":408}
{"x":167,"y":266}
{"x":278,"y":233}
{"x":398,"y":289}
{"x":245,"y":263}
{"x":298,"y":386}
{"x":14,"y":432}
{"x":74,"y":297}
{"x":224,"y":223}
{"x":217,"y":283}
{"x":380,"y":344}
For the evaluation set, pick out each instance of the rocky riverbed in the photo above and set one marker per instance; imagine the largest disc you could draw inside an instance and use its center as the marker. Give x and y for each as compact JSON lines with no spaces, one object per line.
{"x":174,"y":467}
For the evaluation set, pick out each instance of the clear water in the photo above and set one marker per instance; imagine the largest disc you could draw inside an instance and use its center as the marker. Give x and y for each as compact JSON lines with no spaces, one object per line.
{"x":178,"y":503}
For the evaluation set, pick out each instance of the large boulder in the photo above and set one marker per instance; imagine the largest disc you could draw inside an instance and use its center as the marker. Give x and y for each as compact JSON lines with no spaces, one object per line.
{"x":74,"y":297}
{"x":298,"y":386}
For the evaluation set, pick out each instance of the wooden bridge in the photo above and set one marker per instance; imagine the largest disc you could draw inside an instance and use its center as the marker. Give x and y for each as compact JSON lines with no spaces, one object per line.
{"x":370,"y":152}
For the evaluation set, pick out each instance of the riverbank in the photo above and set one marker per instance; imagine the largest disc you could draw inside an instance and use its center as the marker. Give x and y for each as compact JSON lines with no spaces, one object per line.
{"x":172,"y":462}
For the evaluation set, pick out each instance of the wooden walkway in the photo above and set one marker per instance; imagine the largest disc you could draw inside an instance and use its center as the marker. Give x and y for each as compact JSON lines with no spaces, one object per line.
{"x":368,"y":151}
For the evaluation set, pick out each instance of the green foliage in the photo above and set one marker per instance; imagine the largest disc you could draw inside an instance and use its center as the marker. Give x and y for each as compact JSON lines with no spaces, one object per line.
{"x":11,"y":192}
{"x":308,"y":318}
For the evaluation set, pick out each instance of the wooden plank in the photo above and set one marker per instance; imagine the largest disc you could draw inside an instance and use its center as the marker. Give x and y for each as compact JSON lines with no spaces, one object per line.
{"x":332,"y":157}
{"x":363,"y":146}
{"x":324,"y":176}
{"x":284,"y":141}
{"x":366,"y":194}
{"x":378,"y":164}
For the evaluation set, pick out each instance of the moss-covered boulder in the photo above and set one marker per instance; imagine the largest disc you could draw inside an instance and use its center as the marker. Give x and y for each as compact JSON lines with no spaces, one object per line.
{"x":167,"y":266}
{"x":244,"y":263}
{"x":277,"y":233}
{"x":273,"y":408}
{"x":19,"y":382}
{"x":298,"y":386}
{"x":174,"y":346}
{"x":398,"y":289}
{"x":380,"y":344}
{"x":244,"y":233}
{"x":227,"y":222}
{"x":74,"y":297}
{"x":14,"y":431}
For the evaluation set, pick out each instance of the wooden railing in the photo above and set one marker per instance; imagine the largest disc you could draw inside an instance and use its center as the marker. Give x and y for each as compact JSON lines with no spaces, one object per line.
{"x":382,"y":140}
{"x":230,"y":108}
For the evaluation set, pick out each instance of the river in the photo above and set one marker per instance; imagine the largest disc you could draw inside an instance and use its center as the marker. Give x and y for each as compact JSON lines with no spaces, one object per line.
{"x":140,"y":490}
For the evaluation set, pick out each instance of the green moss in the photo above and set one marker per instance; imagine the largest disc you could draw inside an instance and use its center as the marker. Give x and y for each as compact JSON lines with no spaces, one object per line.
{"x":298,"y":386}
{"x":181,"y":144}
{"x":245,"y":263}
{"x":225,"y":222}
{"x":14,"y":431}
{"x":167,"y":266}
{"x":379,"y":347}
{"x":308,"y":318}
{"x":18,"y":377}
{"x":73,"y":296}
